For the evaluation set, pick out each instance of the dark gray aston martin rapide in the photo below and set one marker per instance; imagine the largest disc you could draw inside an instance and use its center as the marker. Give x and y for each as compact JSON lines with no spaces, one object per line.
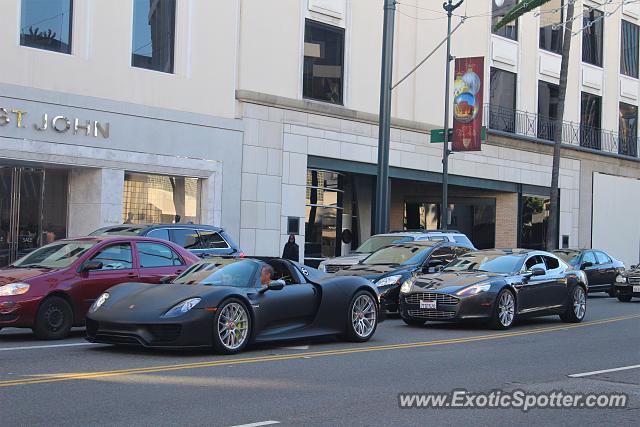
{"x":497,"y":286}
{"x":221,"y":303}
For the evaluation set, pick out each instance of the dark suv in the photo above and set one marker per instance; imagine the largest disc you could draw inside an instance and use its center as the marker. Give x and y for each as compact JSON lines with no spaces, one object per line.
{"x":202,"y":240}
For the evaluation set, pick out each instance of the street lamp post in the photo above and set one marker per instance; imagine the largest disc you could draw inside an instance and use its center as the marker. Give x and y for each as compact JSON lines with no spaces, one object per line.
{"x":384,"y":125}
{"x":449,"y":7}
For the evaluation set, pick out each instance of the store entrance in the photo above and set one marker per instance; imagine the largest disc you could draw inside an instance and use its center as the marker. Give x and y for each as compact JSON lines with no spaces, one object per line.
{"x":25,"y":224}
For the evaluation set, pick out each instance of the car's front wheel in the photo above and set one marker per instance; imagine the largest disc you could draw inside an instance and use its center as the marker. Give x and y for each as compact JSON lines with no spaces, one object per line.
{"x":504,"y":312}
{"x":362,"y":317}
{"x":232,"y":327}
{"x":53,"y":319}
{"x":624,"y":298}
{"x":577,"y":306}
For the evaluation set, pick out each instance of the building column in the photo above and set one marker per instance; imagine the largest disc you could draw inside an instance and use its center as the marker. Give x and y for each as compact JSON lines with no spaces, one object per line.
{"x":95,"y":199}
{"x":506,"y":220}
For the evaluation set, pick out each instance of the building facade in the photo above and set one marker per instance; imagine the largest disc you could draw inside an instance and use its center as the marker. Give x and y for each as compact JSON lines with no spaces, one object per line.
{"x":261,"y":117}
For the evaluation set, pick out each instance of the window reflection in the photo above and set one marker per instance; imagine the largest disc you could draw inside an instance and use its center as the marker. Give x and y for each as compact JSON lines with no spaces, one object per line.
{"x":156,"y":199}
{"x":628,"y":130}
{"x":629,"y":49}
{"x":323,"y":213}
{"x":46,"y":24}
{"x":499,"y":9}
{"x":593,"y":27}
{"x":323,"y":60}
{"x":548,"y":98}
{"x":153,"y":34}
{"x":502,"y":100}
{"x":534,"y":219}
{"x":551,"y":18}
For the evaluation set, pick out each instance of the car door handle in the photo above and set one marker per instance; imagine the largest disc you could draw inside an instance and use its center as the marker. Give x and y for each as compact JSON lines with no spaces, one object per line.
{"x":131,"y":275}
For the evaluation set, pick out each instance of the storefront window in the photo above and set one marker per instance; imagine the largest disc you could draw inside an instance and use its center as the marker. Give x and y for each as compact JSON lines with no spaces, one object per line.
{"x":159,"y":199}
{"x":534,"y":219}
{"x":46,"y":24}
{"x":476,"y":218}
{"x":324,"y":208}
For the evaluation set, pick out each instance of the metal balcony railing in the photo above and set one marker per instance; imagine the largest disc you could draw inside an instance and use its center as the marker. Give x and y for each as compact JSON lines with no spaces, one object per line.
{"x":543,"y":128}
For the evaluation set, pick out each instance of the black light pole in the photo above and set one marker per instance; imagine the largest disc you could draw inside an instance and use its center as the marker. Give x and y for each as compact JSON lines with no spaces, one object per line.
{"x":384,"y":125}
{"x":449,"y":6}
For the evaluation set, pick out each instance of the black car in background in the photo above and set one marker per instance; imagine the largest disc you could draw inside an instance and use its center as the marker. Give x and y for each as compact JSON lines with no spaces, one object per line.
{"x":497,"y":286}
{"x":202,"y":240}
{"x":390,"y":266}
{"x":628,"y":284}
{"x":601,"y":268}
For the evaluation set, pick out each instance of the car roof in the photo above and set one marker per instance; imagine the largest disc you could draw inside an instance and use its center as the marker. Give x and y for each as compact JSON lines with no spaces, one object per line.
{"x":417,"y":233}
{"x":413,"y":244}
{"x":511,"y":251}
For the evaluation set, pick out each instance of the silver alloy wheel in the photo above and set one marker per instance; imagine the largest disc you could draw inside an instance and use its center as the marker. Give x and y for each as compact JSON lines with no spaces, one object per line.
{"x":506,"y":309}
{"x":363,"y":315}
{"x":233,"y":325}
{"x":579,"y":302}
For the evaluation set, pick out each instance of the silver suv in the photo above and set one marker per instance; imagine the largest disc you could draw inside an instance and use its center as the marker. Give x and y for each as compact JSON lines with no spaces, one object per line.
{"x":378,"y":241}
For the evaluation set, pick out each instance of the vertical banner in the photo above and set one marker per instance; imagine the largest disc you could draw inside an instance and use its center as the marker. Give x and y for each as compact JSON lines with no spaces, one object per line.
{"x":467,"y":104}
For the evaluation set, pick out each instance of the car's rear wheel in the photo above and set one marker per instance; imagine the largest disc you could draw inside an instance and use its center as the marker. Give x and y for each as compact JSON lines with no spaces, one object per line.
{"x":412,"y":321}
{"x":363,"y":317}
{"x":577,"y":306}
{"x":231,"y":327}
{"x":624,"y":298}
{"x":504,"y":312}
{"x":53,"y":319}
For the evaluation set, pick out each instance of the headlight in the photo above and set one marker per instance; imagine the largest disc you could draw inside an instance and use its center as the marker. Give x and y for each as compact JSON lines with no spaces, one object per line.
{"x":98,"y":303}
{"x":407,"y":285}
{"x":621,"y":279}
{"x":13,"y":289}
{"x":474,"y":290}
{"x":389,"y":280}
{"x":183,"y":307}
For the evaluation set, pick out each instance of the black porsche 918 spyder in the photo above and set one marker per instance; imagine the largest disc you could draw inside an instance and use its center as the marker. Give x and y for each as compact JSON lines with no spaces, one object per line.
{"x":497,"y":286}
{"x":222,"y":303}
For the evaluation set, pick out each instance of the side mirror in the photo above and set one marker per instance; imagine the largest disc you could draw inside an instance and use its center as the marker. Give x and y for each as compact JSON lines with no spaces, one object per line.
{"x":274,"y":285}
{"x":91,"y":265}
{"x":585,"y":265}
{"x":538,"y":272}
{"x":166,"y":279}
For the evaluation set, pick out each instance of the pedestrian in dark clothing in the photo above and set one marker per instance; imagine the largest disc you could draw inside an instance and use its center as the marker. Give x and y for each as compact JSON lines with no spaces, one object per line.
{"x":291,"y":249}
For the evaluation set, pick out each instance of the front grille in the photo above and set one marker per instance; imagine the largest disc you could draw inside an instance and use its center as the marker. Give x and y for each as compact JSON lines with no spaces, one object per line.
{"x":634,"y":280}
{"x":333,"y":268}
{"x":114,"y":338}
{"x":432,"y":314}
{"x":432,"y":296}
{"x":164,"y":332}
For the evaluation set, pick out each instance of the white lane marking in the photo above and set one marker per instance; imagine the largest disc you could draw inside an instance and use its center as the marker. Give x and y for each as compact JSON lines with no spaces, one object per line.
{"x":35,"y":347}
{"x":604,"y":371}
{"x":258,"y":424}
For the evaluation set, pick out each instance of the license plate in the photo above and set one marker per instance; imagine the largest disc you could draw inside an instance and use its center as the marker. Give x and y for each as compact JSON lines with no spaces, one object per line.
{"x":636,"y":288}
{"x":428,"y":305}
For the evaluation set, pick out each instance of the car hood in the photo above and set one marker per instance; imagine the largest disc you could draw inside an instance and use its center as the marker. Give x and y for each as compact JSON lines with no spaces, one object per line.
{"x":12,"y":275}
{"x":132,"y":300}
{"x":375,"y":272}
{"x":451,"y":282}
{"x":352,"y":259}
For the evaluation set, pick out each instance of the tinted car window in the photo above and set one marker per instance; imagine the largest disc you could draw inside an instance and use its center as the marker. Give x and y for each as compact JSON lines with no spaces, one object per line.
{"x":462,"y":239}
{"x":482,"y":261}
{"x":551,"y":262}
{"x":115,"y":257}
{"x":400,"y":254}
{"x":589,"y":257}
{"x":157,"y":255}
{"x":185,"y":237}
{"x":212,"y":240}
{"x":159,"y":233}
{"x":535,"y":261}
{"x":602,"y":258}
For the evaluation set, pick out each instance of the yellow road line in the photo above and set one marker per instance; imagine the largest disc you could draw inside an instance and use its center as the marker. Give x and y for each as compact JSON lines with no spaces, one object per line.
{"x":303,"y":355}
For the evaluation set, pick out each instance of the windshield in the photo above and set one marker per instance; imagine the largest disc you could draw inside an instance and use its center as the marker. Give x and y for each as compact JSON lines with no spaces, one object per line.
{"x":55,"y":255}
{"x":401,"y":254}
{"x":124,"y":230}
{"x":224,"y":272}
{"x":492,"y":263}
{"x":374,"y":243}
{"x":570,"y":257}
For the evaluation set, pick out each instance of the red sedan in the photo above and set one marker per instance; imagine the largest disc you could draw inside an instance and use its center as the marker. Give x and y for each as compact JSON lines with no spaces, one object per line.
{"x":51,"y":289}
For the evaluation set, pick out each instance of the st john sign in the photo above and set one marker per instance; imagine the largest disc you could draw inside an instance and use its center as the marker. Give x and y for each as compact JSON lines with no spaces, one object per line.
{"x":56,"y":123}
{"x":467,"y":104}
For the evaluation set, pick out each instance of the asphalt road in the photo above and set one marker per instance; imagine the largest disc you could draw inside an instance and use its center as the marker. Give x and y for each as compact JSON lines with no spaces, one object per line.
{"x":328,"y":382}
